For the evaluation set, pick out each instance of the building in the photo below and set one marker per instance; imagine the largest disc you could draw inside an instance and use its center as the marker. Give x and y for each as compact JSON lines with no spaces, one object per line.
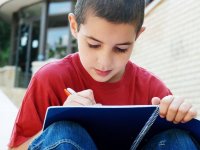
{"x":170,"y":46}
{"x":40,"y":31}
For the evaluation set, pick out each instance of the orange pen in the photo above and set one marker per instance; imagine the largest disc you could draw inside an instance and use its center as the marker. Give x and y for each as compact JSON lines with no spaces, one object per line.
{"x":69,"y":91}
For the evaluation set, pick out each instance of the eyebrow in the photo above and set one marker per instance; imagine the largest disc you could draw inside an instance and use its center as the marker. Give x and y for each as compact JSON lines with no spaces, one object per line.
{"x":125,"y":43}
{"x":90,"y":37}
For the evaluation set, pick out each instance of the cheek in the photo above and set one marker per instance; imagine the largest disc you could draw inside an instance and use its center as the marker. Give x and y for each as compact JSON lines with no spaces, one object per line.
{"x":122,"y":60}
{"x":87,"y":58}
{"x":120,"y":65}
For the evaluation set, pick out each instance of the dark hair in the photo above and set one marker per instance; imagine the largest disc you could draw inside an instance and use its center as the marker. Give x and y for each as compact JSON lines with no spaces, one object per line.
{"x":115,"y":11}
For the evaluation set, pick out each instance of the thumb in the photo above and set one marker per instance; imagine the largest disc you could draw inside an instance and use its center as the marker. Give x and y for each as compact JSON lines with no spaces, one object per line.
{"x":155,"y":101}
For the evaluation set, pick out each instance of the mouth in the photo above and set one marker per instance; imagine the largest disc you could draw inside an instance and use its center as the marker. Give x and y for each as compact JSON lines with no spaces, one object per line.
{"x":102,"y":73}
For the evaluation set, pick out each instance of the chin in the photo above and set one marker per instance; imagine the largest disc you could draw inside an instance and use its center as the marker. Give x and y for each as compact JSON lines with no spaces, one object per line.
{"x":105,"y":79}
{"x":101,"y":79}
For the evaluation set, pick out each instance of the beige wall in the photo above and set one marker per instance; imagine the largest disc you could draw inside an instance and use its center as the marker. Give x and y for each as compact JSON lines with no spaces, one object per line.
{"x":7,"y":76}
{"x":170,"y":46}
{"x":7,"y":80}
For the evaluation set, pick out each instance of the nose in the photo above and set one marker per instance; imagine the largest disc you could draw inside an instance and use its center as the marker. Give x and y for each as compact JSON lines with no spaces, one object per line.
{"x":104,"y":60}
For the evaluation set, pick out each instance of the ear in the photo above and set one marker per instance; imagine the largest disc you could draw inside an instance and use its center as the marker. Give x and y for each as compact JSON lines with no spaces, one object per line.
{"x":73,"y":24}
{"x":141,"y":30}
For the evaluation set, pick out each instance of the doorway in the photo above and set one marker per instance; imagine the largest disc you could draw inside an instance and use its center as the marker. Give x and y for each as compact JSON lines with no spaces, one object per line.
{"x":27,"y":51}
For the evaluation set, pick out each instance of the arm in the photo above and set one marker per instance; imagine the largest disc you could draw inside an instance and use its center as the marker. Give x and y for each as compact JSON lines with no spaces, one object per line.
{"x":83,"y":98}
{"x":30,"y":116}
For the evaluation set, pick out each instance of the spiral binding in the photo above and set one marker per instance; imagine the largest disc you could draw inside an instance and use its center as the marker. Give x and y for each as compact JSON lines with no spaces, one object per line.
{"x":145,"y":129}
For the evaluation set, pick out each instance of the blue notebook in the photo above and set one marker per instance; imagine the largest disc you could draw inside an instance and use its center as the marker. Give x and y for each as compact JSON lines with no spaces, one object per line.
{"x":116,"y":127}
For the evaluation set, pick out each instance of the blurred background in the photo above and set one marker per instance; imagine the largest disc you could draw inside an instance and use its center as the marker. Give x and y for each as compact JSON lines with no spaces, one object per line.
{"x":35,"y":32}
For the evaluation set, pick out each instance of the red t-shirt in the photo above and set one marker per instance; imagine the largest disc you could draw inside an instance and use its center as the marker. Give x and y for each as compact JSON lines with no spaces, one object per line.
{"x":136,"y":87}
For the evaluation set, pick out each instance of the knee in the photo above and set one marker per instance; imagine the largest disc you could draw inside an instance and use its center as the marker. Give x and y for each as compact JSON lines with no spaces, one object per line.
{"x":175,"y":132}
{"x":174,"y":135}
{"x":68,"y":130}
{"x":64,"y":128}
{"x":172,"y":139}
{"x":63,"y":133}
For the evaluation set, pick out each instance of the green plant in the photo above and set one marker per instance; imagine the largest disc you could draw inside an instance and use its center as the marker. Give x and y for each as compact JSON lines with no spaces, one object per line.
{"x":4,"y":42}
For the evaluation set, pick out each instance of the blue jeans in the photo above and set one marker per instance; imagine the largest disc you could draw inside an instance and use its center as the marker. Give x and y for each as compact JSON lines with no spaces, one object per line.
{"x":65,"y":135}
{"x":173,"y":139}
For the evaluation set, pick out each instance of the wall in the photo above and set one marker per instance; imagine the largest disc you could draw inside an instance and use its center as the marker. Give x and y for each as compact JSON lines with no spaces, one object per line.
{"x":7,"y":80}
{"x":170,"y":46}
{"x":7,"y":76}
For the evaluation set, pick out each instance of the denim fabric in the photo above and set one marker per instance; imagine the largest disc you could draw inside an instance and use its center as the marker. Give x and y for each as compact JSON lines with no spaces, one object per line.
{"x":173,"y":139}
{"x":63,"y":136}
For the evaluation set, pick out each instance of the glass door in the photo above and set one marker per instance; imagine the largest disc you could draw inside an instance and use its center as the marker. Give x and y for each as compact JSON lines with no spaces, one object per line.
{"x":27,"y":52}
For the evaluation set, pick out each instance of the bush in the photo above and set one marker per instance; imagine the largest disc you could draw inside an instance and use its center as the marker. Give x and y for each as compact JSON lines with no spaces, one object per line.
{"x":4,"y":42}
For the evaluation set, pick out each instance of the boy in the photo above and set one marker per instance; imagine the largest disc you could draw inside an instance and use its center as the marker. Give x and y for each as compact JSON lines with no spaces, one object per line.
{"x":106,"y":31}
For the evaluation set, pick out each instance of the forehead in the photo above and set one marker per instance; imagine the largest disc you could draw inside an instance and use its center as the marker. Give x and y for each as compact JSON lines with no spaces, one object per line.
{"x":103,"y":29}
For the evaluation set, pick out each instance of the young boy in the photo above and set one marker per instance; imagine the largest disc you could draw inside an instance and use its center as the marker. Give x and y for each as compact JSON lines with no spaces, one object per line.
{"x":101,"y":73}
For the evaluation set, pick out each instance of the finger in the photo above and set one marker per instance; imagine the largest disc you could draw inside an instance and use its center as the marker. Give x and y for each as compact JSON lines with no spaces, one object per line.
{"x":182,"y":111}
{"x":79,"y":100}
{"x":173,"y":108}
{"x":155,"y":101}
{"x":69,"y":102}
{"x":72,"y":103}
{"x":164,"y":104}
{"x":87,"y":94}
{"x":192,"y":113}
{"x":98,"y":104}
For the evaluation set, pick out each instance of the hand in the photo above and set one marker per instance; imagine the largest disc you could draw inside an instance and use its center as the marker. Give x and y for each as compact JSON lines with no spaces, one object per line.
{"x":175,"y":109}
{"x":83,"y":98}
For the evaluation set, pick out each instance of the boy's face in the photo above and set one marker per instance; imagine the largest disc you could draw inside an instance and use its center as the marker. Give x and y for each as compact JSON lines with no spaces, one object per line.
{"x":104,"y":47}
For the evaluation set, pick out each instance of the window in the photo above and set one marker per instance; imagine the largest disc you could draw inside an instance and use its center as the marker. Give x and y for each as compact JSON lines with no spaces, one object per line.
{"x":57,"y":41}
{"x":58,"y":32}
{"x":56,"y":8}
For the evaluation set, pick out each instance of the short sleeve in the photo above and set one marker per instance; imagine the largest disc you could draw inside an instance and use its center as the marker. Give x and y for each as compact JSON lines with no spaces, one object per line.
{"x":158,"y":88}
{"x":31,"y":114}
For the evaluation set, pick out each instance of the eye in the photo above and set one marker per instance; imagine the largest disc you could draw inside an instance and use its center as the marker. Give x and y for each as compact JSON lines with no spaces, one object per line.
{"x":93,"y":46}
{"x":120,"y":50}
